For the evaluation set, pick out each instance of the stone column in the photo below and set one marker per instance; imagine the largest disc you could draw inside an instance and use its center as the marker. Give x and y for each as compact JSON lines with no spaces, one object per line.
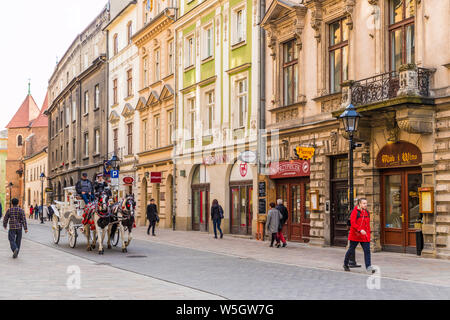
{"x":346,"y":93}
{"x":408,"y":81}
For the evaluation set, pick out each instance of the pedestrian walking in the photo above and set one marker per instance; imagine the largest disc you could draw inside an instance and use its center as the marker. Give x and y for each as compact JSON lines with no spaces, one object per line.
{"x":273,"y":222}
{"x":50,"y":213}
{"x":285,"y":216}
{"x":359,"y":233}
{"x":36,"y":212}
{"x":31,"y":211}
{"x":17,"y":220}
{"x":152,"y":216}
{"x":41,"y":214}
{"x":217,"y":216}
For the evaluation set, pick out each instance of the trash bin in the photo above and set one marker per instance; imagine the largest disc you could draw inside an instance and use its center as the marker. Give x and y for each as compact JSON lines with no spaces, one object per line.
{"x":419,"y":242}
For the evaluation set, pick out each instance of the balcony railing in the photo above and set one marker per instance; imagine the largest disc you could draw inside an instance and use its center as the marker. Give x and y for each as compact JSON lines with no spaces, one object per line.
{"x":409,"y":81}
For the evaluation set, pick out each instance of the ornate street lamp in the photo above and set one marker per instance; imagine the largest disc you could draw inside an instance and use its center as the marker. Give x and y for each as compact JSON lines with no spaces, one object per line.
{"x":114,"y":162}
{"x":42,"y":177}
{"x":350,"y":119}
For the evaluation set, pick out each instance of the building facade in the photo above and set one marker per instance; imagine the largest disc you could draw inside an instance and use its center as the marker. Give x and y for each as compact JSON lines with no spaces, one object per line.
{"x":155,"y":42}
{"x":35,"y":185}
{"x":3,"y":156}
{"x":77,"y":114}
{"x":217,"y":113}
{"x":123,"y":63}
{"x":324,"y":55}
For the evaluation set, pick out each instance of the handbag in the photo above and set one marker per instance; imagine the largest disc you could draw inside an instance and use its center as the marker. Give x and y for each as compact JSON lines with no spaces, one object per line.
{"x":221,"y":212}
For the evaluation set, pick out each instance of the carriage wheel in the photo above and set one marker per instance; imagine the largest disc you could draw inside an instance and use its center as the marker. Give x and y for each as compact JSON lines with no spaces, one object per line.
{"x":115,"y":238}
{"x":56,"y":229}
{"x":73,"y":235}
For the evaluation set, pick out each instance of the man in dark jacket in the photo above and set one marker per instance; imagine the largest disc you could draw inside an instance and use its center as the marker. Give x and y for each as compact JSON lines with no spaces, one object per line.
{"x":152,"y":216}
{"x":217,"y":216}
{"x":50,"y":213}
{"x":285,"y":216}
{"x":17,"y":220}
{"x":85,"y":188}
{"x":101,"y":185}
{"x":36,"y":212}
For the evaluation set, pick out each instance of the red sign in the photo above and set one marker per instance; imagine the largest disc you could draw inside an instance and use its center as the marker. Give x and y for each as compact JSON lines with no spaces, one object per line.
{"x":128,"y":180}
{"x":290,"y":169}
{"x":243,"y":169}
{"x":156,"y":177}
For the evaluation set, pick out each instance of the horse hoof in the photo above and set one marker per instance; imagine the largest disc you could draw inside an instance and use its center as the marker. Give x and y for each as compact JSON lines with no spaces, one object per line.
{"x":93,"y":246}
{"x":89,"y":249}
{"x":101,"y":252}
{"x":109,"y":246}
{"x":124,"y":250}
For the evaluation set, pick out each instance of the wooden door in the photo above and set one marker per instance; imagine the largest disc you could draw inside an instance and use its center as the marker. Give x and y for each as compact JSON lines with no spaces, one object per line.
{"x":200,"y":209}
{"x":400,"y":209}
{"x":339,"y":213}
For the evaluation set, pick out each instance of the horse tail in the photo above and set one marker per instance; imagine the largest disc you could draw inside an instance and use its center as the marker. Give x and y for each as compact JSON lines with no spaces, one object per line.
{"x":113,"y":229}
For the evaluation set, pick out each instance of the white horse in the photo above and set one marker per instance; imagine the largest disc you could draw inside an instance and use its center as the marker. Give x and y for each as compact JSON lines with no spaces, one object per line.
{"x":126,"y":214}
{"x":102,"y":220}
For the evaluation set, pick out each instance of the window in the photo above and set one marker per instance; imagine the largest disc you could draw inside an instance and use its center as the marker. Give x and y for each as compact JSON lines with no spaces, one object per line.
{"x":62,"y":154}
{"x":238,"y":26}
{"x":130,"y":138}
{"x":157,"y":66}
{"x":401,"y":32}
{"x":86,"y":145}
{"x":145,"y":73}
{"x":191,"y":106}
{"x":56,"y":126}
{"x":129,"y":82}
{"x":74,"y":110}
{"x":74,"y":148}
{"x":97,"y":141}
{"x":86,"y":102}
{"x":73,"y":71}
{"x":338,"y":52}
{"x":115,"y":98}
{"x":67,"y":115}
{"x":157,"y":132}
{"x":62,"y":120}
{"x":242,"y":102}
{"x":115,"y":44}
{"x":208,"y":49}
{"x":290,"y":73}
{"x":97,"y":97}
{"x":129,"y":32}
{"x":209,"y":110}
{"x":19,"y":141}
{"x":96,"y":53}
{"x":67,"y":150}
{"x":171,"y":126}
{"x":171,"y":61}
{"x":116,"y":141}
{"x":144,"y":135}
{"x":189,"y":52}
{"x":86,"y":61}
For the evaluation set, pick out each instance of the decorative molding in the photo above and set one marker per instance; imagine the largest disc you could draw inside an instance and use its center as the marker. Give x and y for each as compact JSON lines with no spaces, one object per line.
{"x":348,"y":9}
{"x":141,"y":104}
{"x":299,"y":25}
{"x":153,"y":98}
{"x":114,"y":117}
{"x":316,"y":18}
{"x":128,"y":111}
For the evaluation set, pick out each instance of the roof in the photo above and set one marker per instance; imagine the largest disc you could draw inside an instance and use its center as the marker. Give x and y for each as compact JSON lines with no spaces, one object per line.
{"x":27,"y":112}
{"x":42,"y":119}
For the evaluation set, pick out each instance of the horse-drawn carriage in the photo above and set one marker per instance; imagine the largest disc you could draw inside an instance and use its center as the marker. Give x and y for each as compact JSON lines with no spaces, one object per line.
{"x":97,"y":219}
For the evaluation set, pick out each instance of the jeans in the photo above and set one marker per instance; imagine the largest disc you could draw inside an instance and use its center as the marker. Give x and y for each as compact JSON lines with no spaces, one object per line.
{"x":151,"y":226}
{"x":274,"y":237}
{"x":280,"y":236}
{"x":216,"y":224}
{"x":15,"y":239}
{"x":87,"y":197}
{"x":351,"y":251}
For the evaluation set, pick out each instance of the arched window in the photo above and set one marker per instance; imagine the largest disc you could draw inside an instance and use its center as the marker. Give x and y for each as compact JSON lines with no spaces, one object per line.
{"x":19,"y":141}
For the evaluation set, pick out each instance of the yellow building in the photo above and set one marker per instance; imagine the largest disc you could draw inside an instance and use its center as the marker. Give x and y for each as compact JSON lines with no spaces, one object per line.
{"x":34,"y":166}
{"x":156,"y":46}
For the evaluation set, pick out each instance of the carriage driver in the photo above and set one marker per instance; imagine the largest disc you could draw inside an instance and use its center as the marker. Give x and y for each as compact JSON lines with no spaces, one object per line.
{"x":85,"y":188}
{"x":101,"y":185}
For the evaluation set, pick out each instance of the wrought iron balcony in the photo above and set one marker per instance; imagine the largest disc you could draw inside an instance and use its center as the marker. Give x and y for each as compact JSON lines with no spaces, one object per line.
{"x":409,"y":81}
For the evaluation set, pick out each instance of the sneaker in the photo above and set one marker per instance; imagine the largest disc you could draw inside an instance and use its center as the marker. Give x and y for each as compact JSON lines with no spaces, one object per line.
{"x":278,"y":245}
{"x":284,"y":245}
{"x":346,"y":268}
{"x":16,"y":253}
{"x":354,"y":265}
{"x":271,"y":246}
{"x":221,"y":236}
{"x":370,"y":269}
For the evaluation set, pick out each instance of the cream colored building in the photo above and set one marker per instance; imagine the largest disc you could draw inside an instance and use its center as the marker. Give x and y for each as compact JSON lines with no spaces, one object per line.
{"x":34,"y":166}
{"x":390,"y":59}
{"x":123,"y":63}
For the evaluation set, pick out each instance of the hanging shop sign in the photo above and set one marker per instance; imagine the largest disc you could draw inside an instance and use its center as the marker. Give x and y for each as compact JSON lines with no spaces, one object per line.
{"x":248,"y":157}
{"x":398,"y":154}
{"x":290,"y":169}
{"x":128,"y":180}
{"x":217,"y":159}
{"x":305,"y":153}
{"x":156,"y":177}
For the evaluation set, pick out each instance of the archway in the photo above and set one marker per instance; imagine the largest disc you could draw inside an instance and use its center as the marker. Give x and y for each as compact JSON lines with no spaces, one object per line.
{"x":59,"y":193}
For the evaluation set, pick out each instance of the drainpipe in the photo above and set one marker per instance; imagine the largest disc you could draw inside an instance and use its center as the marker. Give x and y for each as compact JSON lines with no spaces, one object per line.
{"x":174,"y":189}
{"x":262,"y":91}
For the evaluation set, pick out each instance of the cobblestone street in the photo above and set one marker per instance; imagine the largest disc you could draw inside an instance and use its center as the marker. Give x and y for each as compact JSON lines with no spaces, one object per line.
{"x":188,"y":265}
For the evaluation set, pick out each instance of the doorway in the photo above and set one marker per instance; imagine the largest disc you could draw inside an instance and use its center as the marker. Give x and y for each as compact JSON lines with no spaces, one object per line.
{"x":296,"y":197}
{"x":339,"y":201}
{"x":200,"y":199}
{"x":400,"y":209}
{"x":242,"y":209}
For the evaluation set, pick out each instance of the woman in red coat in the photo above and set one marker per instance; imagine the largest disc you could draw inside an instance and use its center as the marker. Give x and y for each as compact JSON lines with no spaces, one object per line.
{"x":359,"y":233}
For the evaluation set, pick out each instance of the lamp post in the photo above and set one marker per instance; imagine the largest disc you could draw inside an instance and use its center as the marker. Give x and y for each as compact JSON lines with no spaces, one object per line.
{"x":10,"y":185}
{"x":350,"y":119}
{"x":42,"y":177}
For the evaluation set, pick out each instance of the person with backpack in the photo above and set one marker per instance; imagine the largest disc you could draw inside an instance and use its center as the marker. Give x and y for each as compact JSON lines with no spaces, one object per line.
{"x":285,"y":216}
{"x":273,"y":222}
{"x":359,"y":233}
{"x":217,"y":216}
{"x":15,"y":216}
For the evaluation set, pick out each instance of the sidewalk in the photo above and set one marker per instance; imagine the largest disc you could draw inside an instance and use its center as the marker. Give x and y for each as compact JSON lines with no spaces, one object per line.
{"x":392,"y":265}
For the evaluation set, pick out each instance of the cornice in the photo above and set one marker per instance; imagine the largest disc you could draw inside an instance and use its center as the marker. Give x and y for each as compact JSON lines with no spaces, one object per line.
{"x":154,"y":27}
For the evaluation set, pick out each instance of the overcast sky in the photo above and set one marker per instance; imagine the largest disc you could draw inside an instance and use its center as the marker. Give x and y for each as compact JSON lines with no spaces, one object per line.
{"x":33,"y":33}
